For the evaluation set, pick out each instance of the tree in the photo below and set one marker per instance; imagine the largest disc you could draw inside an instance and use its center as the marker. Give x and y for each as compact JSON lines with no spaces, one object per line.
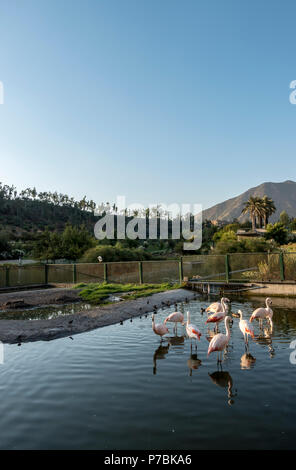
{"x":277,"y":232}
{"x":268,"y":209}
{"x":254,"y":207}
{"x":259,"y":209}
{"x":284,"y":219}
{"x":75,"y":241}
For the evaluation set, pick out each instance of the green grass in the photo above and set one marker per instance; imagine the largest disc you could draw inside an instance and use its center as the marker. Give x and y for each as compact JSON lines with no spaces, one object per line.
{"x":98,"y":293}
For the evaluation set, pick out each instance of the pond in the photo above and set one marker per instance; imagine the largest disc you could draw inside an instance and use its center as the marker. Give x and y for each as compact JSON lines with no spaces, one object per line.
{"x":45,"y":312}
{"x":118,"y":388}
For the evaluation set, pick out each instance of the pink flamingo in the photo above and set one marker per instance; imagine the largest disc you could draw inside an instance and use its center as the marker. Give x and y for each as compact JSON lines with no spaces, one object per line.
{"x":192,"y":331}
{"x":220,"y":315}
{"x":216,"y":307}
{"x":220,"y":341}
{"x":175,"y":317}
{"x":245,"y":328}
{"x":262,"y":313}
{"x":159,"y":328}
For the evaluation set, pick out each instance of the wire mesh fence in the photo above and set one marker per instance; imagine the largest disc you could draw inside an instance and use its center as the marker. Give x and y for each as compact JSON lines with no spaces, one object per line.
{"x":243,"y":267}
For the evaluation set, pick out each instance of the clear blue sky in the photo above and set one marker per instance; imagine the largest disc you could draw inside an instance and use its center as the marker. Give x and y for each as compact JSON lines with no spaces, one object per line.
{"x":158,"y":100}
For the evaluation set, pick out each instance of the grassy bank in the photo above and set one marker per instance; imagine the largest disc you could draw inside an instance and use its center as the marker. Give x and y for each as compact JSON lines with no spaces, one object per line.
{"x":98,"y":293}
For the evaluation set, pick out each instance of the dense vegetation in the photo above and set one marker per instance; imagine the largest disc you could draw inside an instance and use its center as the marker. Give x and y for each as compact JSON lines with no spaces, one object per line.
{"x":51,"y":226}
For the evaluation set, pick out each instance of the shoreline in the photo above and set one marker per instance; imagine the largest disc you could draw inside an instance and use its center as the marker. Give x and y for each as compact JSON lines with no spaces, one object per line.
{"x":24,"y":331}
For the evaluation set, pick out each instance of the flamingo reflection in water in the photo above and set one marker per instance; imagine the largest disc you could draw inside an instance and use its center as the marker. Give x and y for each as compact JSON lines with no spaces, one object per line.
{"x":265,"y":339}
{"x":224,"y":380}
{"x":247,"y":361}
{"x":160,"y":353}
{"x":193,"y":363}
{"x":176,"y":341}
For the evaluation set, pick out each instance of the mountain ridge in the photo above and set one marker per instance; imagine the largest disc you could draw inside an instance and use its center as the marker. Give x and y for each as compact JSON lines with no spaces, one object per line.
{"x":283,"y":194}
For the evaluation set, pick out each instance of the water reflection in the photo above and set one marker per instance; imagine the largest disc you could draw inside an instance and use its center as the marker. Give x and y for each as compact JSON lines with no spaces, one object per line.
{"x":193,"y":363}
{"x":265,"y":339}
{"x":160,"y":353}
{"x":224,"y":380}
{"x":247,"y":361}
{"x":176,"y":341}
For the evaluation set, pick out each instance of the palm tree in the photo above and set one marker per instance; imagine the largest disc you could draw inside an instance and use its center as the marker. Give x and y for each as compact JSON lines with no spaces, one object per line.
{"x":269,"y":208}
{"x":254,"y":207}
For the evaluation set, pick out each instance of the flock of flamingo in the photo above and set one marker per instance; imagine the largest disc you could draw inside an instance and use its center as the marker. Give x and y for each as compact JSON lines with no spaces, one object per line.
{"x":217,"y":312}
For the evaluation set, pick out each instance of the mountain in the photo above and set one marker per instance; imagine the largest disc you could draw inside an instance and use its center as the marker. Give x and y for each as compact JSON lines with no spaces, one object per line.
{"x":283,"y":194}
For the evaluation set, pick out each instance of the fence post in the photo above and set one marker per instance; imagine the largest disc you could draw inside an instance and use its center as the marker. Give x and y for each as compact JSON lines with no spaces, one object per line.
{"x":105,"y":273}
{"x":282,"y":266}
{"x":181,"y":270}
{"x":7,"y":276}
{"x":140,"y":272}
{"x":74,"y":273}
{"x":46,"y":274}
{"x":227,"y":268}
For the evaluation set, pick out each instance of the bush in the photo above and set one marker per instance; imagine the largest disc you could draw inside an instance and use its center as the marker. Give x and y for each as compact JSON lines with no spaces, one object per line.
{"x":277,"y":232}
{"x":114,"y":253}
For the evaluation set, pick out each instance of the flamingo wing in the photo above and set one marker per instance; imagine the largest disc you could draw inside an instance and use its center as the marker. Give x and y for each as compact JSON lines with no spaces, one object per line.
{"x":193,"y":331}
{"x":215,"y":317}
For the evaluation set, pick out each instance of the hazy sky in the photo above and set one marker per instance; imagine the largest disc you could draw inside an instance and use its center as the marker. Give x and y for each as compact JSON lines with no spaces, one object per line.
{"x":158,"y":100}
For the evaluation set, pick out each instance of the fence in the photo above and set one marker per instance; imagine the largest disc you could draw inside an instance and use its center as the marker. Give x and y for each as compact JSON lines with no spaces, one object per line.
{"x":242,"y":267}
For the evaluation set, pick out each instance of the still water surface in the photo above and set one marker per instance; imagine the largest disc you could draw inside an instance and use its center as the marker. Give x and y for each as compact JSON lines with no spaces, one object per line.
{"x":118,"y":388}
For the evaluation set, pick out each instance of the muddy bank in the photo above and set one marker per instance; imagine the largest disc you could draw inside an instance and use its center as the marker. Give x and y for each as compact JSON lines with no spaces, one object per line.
{"x":19,"y":331}
{"x":36,"y":298}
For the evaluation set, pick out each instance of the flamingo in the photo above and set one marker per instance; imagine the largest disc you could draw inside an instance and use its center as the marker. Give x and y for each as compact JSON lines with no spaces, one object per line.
{"x":175,"y":317}
{"x":262,"y":313}
{"x":159,"y":328}
{"x":219,"y":315}
{"x":192,"y":330}
{"x":216,"y":307}
{"x":245,"y":328}
{"x":220,"y":341}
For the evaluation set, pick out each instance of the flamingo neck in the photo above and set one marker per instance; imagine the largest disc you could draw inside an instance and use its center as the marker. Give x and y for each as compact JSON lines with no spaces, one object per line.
{"x":227,"y":328}
{"x":224,"y":308}
{"x":188,"y":318}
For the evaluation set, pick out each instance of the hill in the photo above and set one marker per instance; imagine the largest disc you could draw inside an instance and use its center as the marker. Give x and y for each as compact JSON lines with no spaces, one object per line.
{"x":283,"y":194}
